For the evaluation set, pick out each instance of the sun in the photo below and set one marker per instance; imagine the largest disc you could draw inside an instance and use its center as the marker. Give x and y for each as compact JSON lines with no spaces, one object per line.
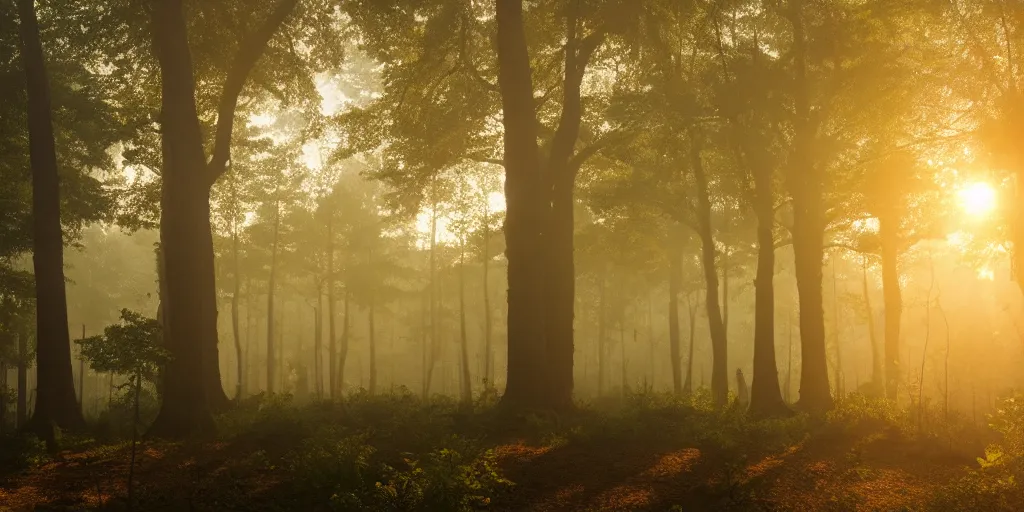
{"x":978,"y":199}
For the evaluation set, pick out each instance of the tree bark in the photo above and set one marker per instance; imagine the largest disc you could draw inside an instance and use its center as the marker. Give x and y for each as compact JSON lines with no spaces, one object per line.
{"x":673,"y":322}
{"x":190,"y":312}
{"x":716,"y":326}
{"x":808,"y":233}
{"x":56,"y":402}
{"x":765,"y":395}
{"x":560,"y":173}
{"x":892,"y":298}
{"x":527,"y":345}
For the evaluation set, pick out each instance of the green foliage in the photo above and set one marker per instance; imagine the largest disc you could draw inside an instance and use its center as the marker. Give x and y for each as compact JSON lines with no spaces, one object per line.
{"x":21,"y":451}
{"x":996,"y":483}
{"x":132,"y":347}
{"x":117,"y":421}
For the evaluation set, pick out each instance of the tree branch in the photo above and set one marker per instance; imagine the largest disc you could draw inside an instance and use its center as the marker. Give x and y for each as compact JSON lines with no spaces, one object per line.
{"x":250,"y":49}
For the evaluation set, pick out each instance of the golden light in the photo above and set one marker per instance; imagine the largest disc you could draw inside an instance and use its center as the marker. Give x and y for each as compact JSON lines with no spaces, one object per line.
{"x":978,"y":199}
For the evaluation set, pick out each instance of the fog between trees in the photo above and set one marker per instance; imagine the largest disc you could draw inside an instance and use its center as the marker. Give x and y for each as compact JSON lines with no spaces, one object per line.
{"x":551,"y":201}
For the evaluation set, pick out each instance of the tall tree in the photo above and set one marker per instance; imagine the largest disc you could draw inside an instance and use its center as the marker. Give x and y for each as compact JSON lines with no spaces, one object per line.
{"x":55,"y":401}
{"x":524,"y":215}
{"x":190,"y":322}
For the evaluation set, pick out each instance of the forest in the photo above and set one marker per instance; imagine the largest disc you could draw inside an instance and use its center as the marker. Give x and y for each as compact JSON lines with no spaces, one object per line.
{"x":543,"y":255}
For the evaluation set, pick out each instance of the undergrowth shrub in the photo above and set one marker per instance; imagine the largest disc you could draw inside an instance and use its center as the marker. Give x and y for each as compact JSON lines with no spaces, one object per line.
{"x":995,"y":485}
{"x":21,"y":451}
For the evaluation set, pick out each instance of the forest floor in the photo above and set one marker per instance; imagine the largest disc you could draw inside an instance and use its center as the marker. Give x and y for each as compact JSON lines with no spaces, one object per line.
{"x":654,"y":457}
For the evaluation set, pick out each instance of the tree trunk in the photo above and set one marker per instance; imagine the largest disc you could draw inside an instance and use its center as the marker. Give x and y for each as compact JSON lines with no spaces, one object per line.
{"x":22,"y":408}
{"x":725,"y":292}
{"x":55,"y":386}
{"x":527,"y":372}
{"x":186,"y":239}
{"x":344,"y":343}
{"x":876,"y":359}
{"x":373,"y":346}
{"x":673,"y":322}
{"x":622,"y":352}
{"x":271,"y":285}
{"x":808,"y":233}
{"x":691,"y":310}
{"x":332,"y":339}
{"x":434,"y":342}
{"x":465,"y":382}
{"x":840,"y":376}
{"x":81,"y":376}
{"x":318,"y":354}
{"x":765,"y":395}
{"x":3,"y":396}
{"x":248,"y":339}
{"x":716,"y":326}
{"x":893,"y":303}
{"x":424,"y":343}
{"x":235,"y":297}
{"x":488,"y":352}
{"x":789,"y":361}
{"x":602,"y":320}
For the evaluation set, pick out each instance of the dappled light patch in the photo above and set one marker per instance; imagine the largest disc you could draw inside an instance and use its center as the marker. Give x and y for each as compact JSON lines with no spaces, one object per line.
{"x":673,"y":464}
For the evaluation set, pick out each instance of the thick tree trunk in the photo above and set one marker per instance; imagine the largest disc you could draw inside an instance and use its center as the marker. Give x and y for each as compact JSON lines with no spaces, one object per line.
{"x":561,"y":291}
{"x":716,"y":326}
{"x":185,"y":231}
{"x":185,"y":236}
{"x":527,"y":346}
{"x":765,"y":395}
{"x":558,"y":231}
{"x":465,"y":378}
{"x":673,"y":322}
{"x":808,"y":233}
{"x":55,"y":402}
{"x":271,"y":286}
{"x":893,"y":303}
